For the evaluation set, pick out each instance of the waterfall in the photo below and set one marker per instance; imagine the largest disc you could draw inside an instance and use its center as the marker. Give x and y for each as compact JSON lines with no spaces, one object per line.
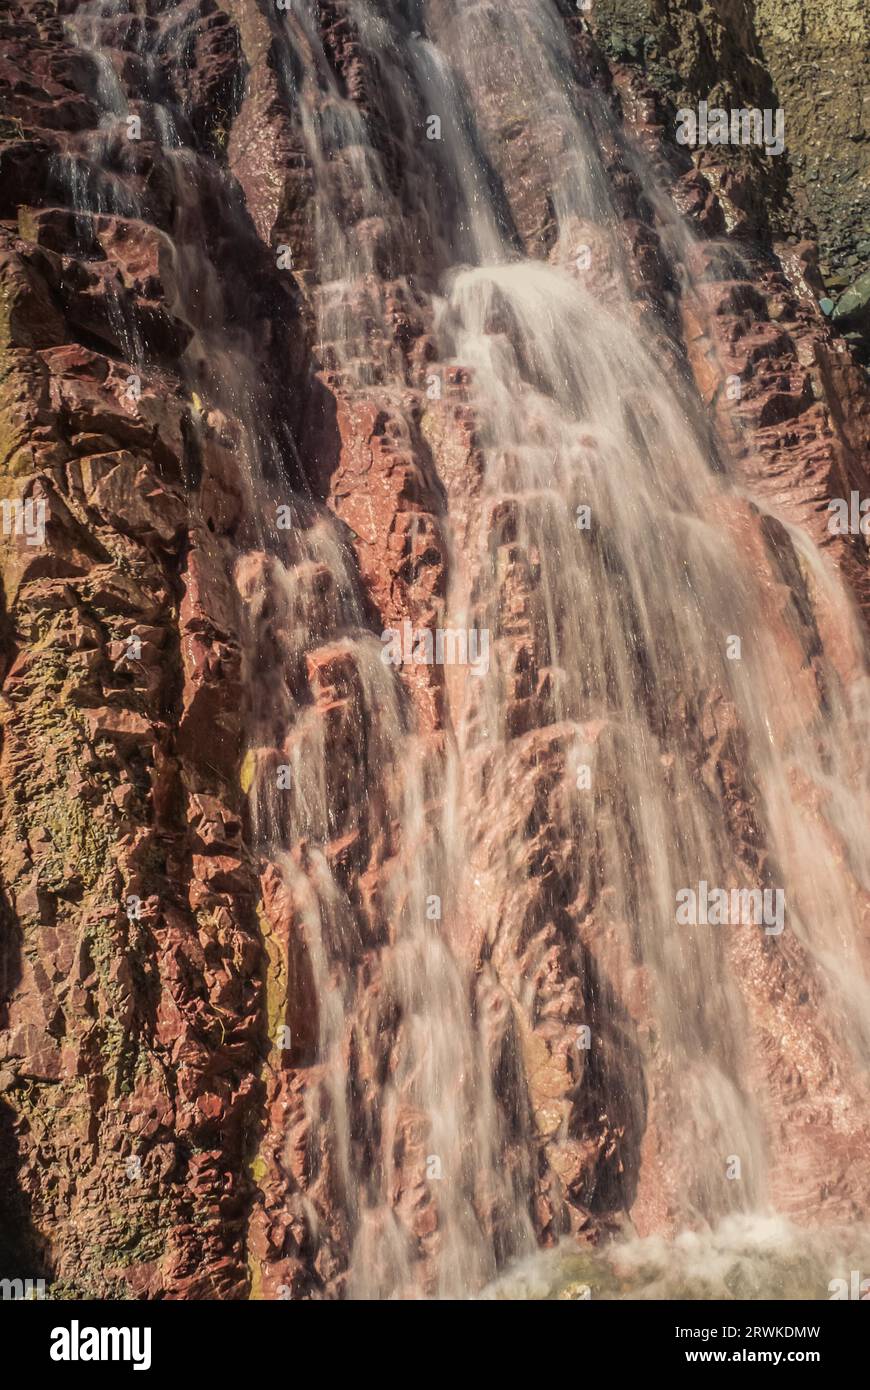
{"x":502,"y":1032}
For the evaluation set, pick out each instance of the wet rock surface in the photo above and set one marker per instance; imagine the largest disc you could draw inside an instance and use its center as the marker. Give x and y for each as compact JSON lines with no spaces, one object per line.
{"x":175,"y":995}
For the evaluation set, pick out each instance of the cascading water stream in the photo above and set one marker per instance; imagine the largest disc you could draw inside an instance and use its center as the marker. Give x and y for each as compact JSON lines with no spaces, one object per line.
{"x":605,"y":556}
{"x":299,"y":600}
{"x":577,"y":411}
{"x":437,"y":1067}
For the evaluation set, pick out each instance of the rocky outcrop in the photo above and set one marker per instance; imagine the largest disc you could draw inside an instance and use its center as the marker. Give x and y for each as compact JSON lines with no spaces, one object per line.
{"x":133,"y":963}
{"x":810,"y":63}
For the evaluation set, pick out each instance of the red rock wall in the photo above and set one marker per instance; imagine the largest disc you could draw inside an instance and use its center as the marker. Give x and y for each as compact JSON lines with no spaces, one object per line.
{"x":152,"y":1141}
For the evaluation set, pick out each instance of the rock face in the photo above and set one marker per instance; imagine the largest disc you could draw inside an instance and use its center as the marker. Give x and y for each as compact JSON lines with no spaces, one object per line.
{"x":810,"y":63}
{"x":133,"y":960}
{"x":231,"y":458}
